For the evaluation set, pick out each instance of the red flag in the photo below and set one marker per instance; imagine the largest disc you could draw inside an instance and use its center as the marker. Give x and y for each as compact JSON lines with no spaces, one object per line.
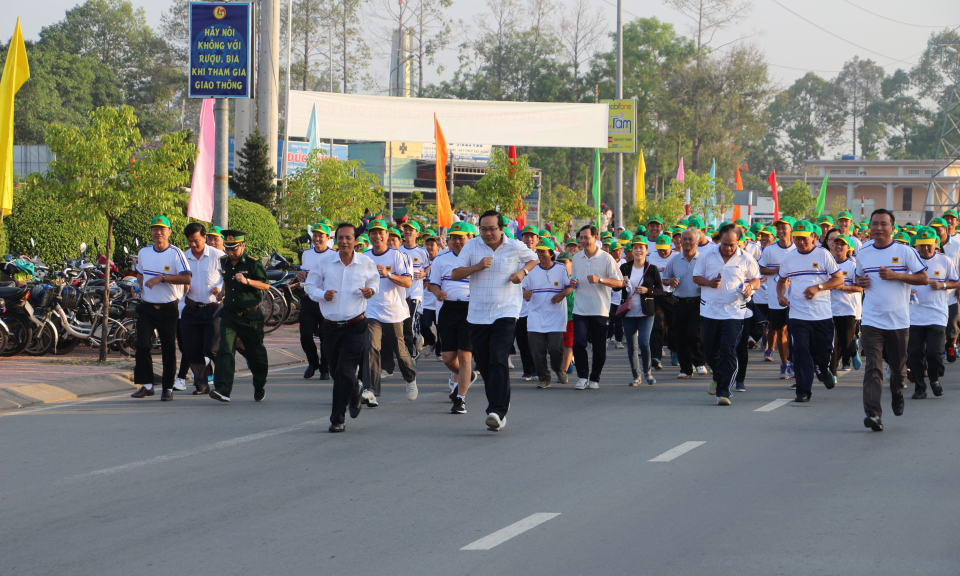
{"x":776,"y":198}
{"x":739,"y":184}
{"x":519,"y":212}
{"x":444,"y":212}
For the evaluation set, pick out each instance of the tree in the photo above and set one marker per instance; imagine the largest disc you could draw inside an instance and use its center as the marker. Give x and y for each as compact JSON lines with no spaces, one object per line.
{"x":430,"y":33}
{"x":670,"y":207}
{"x":504,"y":185}
{"x":805,"y":118}
{"x":417,"y":210}
{"x":709,"y":17}
{"x":105,"y":168}
{"x":859,"y":86}
{"x":888,"y":122}
{"x":346,"y":21}
{"x":797,"y":200}
{"x":330,"y":188}
{"x":254,"y":179}
{"x":561,"y":205}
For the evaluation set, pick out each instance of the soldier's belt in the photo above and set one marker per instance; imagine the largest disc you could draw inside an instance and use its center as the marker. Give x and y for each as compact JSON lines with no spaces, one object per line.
{"x":244,"y":313}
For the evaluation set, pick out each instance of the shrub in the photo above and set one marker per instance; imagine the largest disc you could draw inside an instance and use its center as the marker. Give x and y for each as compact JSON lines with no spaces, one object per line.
{"x":135,"y":224}
{"x":260,"y":226}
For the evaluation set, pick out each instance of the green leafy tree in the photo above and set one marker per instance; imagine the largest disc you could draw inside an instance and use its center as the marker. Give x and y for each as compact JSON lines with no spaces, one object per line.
{"x":254,"y":178}
{"x":561,"y":205}
{"x":504,"y":185}
{"x":706,"y":198}
{"x":464,"y":197}
{"x":797,"y":201}
{"x":670,"y":207}
{"x":104,"y":168}
{"x":859,"y":87}
{"x":330,"y":188}
{"x":806,"y":117}
{"x":417,"y":210}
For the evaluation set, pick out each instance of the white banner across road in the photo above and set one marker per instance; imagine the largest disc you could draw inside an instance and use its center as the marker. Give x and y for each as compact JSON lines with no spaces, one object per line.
{"x":387,"y":119}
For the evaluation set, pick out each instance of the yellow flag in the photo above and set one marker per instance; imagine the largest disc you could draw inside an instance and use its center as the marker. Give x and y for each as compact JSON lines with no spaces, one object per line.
{"x":15,"y":73}
{"x":641,"y":183}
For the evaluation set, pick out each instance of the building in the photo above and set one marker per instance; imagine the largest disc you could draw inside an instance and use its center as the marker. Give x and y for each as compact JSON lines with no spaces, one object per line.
{"x":897,"y":185}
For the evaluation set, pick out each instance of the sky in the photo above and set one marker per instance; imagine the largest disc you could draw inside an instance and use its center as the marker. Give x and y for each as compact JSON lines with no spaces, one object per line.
{"x":792,"y":45}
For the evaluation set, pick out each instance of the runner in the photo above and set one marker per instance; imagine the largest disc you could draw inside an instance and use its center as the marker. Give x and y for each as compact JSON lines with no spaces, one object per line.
{"x":846,"y":302}
{"x":642,"y":286}
{"x":546,"y":288}
{"x":663,"y":320}
{"x":769,"y":263}
{"x":678,"y":274}
{"x":311,"y":319}
{"x":420,"y":259}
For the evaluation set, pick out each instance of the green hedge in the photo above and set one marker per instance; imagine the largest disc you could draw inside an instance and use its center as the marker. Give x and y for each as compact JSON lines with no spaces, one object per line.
{"x":135,"y":224}
{"x":58,"y":229}
{"x":260,"y":225}
{"x":3,"y":239}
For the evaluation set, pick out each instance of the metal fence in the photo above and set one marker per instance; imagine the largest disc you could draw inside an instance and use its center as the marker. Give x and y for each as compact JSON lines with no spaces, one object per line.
{"x":30,"y":159}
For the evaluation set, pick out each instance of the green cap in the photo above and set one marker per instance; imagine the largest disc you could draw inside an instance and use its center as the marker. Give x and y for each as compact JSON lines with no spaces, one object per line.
{"x":789,"y":220}
{"x":750,"y":236}
{"x":639,"y":240}
{"x":902,"y":237}
{"x":664,"y":242}
{"x":413,"y":224}
{"x":695,"y":222}
{"x":459,"y":229}
{"x":363,"y":239}
{"x":725,"y":223}
{"x":606,"y":234}
{"x":546,"y":244}
{"x":321,"y":227}
{"x":805,"y":228}
{"x":160,"y":221}
{"x":656,"y":219}
{"x":571,"y":241}
{"x":740,"y":222}
{"x":395,"y":232}
{"x":564,"y":256}
{"x":767,"y":230}
{"x":926,"y":235}
{"x":506,"y":232}
{"x":845,"y":215}
{"x":938,"y":222}
{"x":429,"y":235}
{"x":232,"y":238}
{"x":846,"y":240}
{"x":377,"y":224}
{"x":681,"y":225}
{"x":641,"y":229}
{"x":826,"y":220}
{"x":626,"y":236}
{"x":530,"y":229}
{"x":756,"y":227}
{"x":327,"y":222}
{"x":607,"y":241}
{"x":215,"y":231}
{"x":951,"y":212}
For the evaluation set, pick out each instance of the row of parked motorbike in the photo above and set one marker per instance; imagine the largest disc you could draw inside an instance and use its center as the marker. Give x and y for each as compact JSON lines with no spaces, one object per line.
{"x":46,"y":310}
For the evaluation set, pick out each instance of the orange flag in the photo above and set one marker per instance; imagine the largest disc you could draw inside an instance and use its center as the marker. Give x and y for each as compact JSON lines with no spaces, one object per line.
{"x":739,"y":184}
{"x":444,"y":212}
{"x":736,"y":212}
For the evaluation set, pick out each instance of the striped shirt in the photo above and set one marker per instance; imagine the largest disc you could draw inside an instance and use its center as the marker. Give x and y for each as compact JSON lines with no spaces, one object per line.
{"x":805,"y":270}
{"x":886,"y":303}
{"x":545,"y":283}
{"x":170,"y":262}
{"x":457,"y":290}
{"x":492,"y":295}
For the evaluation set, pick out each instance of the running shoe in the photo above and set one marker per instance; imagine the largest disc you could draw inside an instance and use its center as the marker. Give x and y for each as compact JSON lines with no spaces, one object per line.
{"x":529,"y":377}
{"x":741,"y":387}
{"x":751,"y":343}
{"x":180,"y":384}
{"x":712,"y":390}
{"x":857,"y":361}
{"x":544,"y":384}
{"x":385,"y":374}
{"x":412,"y":391}
{"x":510,"y":364}
{"x":452,"y":382}
{"x":655,"y":362}
{"x":636,"y":381}
{"x":459,"y":406}
{"x":790,"y":373}
{"x":618,"y":345}
{"x":951,"y":354}
{"x":368,"y":398}
{"x":494,"y":423}
{"x":593,"y":385}
{"x":768,"y":355}
{"x":674,"y":360}
{"x":684,"y":375}
{"x":581,"y":384}
{"x":783,"y":371}
{"x":702,"y":370}
{"x":571,"y":368}
{"x":846,"y":367}
{"x":648,"y":376}
{"x":723,"y":401}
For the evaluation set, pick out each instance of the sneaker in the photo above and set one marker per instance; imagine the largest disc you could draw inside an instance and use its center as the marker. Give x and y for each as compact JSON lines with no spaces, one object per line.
{"x":369,"y":398}
{"x":610,"y":341}
{"x":439,"y":358}
{"x":528,"y":377}
{"x":684,"y":375}
{"x":179,"y":384}
{"x":648,"y":376}
{"x":385,"y":374}
{"x":636,"y":381}
{"x":618,"y":345}
{"x":258,"y":395}
{"x":210,"y":381}
{"x":951,"y":354}
{"x":741,"y":387}
{"x":581,"y":384}
{"x":544,"y":384}
{"x":712,"y":389}
{"x":218,"y":396}
{"x":857,"y":361}
{"x":702,"y":370}
{"x":412,"y":391}
{"x":783,"y":371}
{"x":763,"y":342}
{"x":874,"y":423}
{"x":751,"y":343}
{"x":828,"y":379}
{"x":655,"y":362}
{"x":593,"y":385}
{"x":562,"y":377}
{"x":674,"y":360}
{"x":793,"y":386}
{"x":459,"y":406}
{"x":510,"y":364}
{"x":723,"y":401}
{"x":768,"y":355}
{"x":494,"y":423}
{"x":790,"y":373}
{"x":846,"y":367}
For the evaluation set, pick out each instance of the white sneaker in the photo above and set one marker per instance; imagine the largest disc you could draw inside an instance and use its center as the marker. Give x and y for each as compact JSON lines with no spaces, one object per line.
{"x":180,"y":384}
{"x":593,"y":385}
{"x":494,"y":423}
{"x":510,"y":364}
{"x":368,"y":398}
{"x":439,"y":358}
{"x":702,"y":370}
{"x":683,"y":375}
{"x":412,"y":390}
{"x":385,"y":374}
{"x":618,"y":345}
{"x":636,"y":381}
{"x":581,"y":384}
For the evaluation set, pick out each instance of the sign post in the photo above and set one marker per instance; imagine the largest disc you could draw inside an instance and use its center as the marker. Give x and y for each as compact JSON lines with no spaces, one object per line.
{"x":220,"y":68}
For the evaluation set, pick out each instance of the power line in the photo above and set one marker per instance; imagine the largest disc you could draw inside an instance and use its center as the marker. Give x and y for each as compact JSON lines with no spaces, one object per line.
{"x":838,"y":36}
{"x":892,"y":20}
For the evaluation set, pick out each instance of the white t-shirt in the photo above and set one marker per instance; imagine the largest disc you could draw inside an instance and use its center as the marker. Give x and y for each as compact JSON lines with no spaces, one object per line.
{"x":390,"y":303}
{"x":886,"y":303}
{"x":152,"y":263}
{"x":543,"y":315}
{"x":429,"y":301}
{"x":724,"y":303}
{"x":593,"y":299}
{"x":310,"y":259}
{"x":771,"y":257}
{"x":420,"y":259}
{"x":847,"y":303}
{"x":805,"y":270}
{"x":655,"y":259}
{"x":457,"y":290}
{"x":753,"y":249}
{"x":636,"y":300}
{"x":952,"y":250}
{"x":932,"y":309}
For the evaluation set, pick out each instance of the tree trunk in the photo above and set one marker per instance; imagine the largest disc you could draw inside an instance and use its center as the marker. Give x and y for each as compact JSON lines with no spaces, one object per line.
{"x":105,"y":329}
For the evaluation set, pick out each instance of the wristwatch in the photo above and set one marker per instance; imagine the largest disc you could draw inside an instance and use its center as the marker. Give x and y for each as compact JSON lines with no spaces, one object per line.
{"x":820,"y":287}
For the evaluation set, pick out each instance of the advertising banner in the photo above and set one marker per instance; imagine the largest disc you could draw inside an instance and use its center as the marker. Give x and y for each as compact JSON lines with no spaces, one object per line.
{"x":621,"y":126}
{"x":219,"y":50}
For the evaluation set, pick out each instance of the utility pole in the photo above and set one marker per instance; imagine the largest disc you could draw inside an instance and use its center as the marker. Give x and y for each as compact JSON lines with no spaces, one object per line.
{"x":221,"y":119}
{"x":286,"y":114}
{"x":268,"y":87}
{"x":619,"y":182}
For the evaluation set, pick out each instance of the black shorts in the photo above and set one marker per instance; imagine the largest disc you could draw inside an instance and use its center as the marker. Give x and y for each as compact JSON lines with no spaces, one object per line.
{"x":778,"y":318}
{"x":453,"y":328}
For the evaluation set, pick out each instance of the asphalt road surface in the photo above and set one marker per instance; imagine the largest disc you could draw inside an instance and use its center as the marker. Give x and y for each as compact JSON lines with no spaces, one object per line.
{"x":651,"y":480}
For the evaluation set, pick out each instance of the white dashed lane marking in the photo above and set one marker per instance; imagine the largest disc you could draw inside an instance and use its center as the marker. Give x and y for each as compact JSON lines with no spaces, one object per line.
{"x":515,"y":529}
{"x":774,"y":405}
{"x":678,"y":451}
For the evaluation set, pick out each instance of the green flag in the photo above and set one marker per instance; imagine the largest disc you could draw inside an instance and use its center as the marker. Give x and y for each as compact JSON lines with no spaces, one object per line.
{"x":596,"y":183}
{"x":822,"y":199}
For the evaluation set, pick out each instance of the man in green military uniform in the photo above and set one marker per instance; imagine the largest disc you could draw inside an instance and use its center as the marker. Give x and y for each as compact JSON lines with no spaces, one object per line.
{"x":243,"y":279}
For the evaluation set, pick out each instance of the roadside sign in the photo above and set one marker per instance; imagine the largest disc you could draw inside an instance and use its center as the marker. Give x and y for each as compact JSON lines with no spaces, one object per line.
{"x":621,"y":126}
{"x":219,"y":50}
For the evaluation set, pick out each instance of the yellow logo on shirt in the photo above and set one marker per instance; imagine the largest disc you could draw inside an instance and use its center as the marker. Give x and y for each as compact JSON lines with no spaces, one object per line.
{"x":816,"y":265}
{"x":844,"y":272}
{"x":556,"y":284}
{"x":166,"y":268}
{"x":388,"y":268}
{"x":896,"y":259}
{"x":936,"y":273}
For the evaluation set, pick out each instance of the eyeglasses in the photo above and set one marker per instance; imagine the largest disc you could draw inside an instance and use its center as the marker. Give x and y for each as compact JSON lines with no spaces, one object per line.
{"x":489,"y":228}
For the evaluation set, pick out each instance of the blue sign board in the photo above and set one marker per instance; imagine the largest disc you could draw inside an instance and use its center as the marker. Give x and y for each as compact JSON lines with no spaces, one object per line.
{"x":297,"y":154}
{"x":219,"y":50}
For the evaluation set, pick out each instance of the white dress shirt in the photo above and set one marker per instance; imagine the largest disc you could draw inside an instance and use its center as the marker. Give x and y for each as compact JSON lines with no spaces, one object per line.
{"x":492,"y":295}
{"x":593,"y":299}
{"x":346,"y":280}
{"x":206,"y":274}
{"x":724,"y":303}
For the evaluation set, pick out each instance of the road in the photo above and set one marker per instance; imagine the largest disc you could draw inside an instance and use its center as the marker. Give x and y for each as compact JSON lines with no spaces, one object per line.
{"x":112,"y":485}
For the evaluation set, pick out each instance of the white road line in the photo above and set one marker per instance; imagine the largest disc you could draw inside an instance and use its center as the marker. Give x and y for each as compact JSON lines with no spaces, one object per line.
{"x":774,"y":405}
{"x":515,"y":529}
{"x":19,"y":411}
{"x":678,"y":451}
{"x":192,"y":451}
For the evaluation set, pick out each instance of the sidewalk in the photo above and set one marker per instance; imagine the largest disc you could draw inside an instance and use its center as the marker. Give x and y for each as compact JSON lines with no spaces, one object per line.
{"x":25,"y":380}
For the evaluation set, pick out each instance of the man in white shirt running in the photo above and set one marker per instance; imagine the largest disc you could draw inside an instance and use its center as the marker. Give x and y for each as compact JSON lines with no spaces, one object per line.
{"x":200,"y":319}
{"x":812,"y":273}
{"x":727,"y":276}
{"x":950,"y":246}
{"x":546,"y":288}
{"x":342,"y":285}
{"x":778,"y":314}
{"x":495,"y":265}
{"x":885,"y":270}
{"x":421,"y":263}
{"x":311,"y":319}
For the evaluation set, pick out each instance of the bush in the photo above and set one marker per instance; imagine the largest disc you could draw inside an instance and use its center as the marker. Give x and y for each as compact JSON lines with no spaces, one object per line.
{"x":262,"y":230}
{"x":39,"y":213}
{"x":3,"y":239}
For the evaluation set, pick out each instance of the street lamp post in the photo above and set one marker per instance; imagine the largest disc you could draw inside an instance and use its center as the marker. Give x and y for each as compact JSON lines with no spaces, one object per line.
{"x":619,"y":182}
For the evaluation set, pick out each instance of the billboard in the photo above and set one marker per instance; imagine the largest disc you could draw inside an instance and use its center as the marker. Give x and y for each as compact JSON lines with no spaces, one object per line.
{"x":621,"y":126}
{"x":461,"y":152}
{"x":219,"y":50}
{"x":296,"y":155}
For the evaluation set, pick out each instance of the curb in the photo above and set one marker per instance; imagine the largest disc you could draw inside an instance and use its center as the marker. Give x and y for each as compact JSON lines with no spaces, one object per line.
{"x":27,"y":395}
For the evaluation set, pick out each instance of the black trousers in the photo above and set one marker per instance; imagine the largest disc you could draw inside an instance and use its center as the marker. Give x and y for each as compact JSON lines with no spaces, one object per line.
{"x":589,"y":330}
{"x":686,"y":332}
{"x":925,"y":354}
{"x":411,"y":328}
{"x":615,"y":324}
{"x":742,"y":357}
{"x":200,"y":330}
{"x":720,"y":338}
{"x":311,"y":321}
{"x":427,"y":320}
{"x":491,"y":350}
{"x":661,"y":334}
{"x":811,"y":345}
{"x":845,"y":332}
{"x":164,"y":321}
{"x":184,"y":362}
{"x":523,"y":344}
{"x":343,"y":348}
